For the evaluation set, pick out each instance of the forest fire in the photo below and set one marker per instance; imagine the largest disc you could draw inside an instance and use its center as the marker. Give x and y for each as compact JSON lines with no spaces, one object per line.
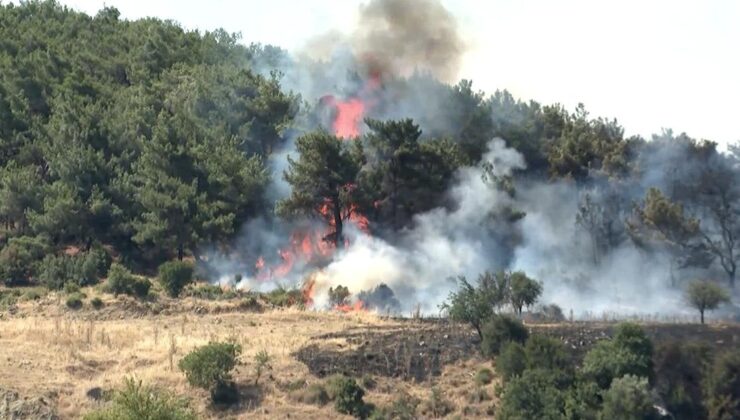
{"x":309,"y":245}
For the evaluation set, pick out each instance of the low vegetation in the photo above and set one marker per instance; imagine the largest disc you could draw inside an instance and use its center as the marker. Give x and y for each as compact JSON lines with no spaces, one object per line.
{"x":137,"y":401}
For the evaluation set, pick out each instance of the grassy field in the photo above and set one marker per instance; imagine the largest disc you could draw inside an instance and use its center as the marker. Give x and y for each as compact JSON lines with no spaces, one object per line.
{"x":54,"y":354}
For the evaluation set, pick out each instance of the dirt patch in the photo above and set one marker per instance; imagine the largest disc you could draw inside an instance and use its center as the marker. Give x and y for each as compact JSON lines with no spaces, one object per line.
{"x":414,"y":352}
{"x":15,"y":406}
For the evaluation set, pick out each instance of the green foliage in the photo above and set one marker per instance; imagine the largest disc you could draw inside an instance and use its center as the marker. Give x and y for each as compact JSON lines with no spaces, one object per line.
{"x":511,"y":360}
{"x":97,"y":303}
{"x":536,"y":394}
{"x":704,"y":295}
{"x":74,"y":301}
{"x":210,"y":366}
{"x":347,"y":396}
{"x":322,"y":181}
{"x":523,"y":291}
{"x":19,"y":259}
{"x":140,"y":402}
{"x":261,"y":362}
{"x":174,"y":276}
{"x":543,"y":352}
{"x":475,"y":304}
{"x":679,"y":369}
{"x":338,"y":296}
{"x":209,"y":292}
{"x":283,"y":298}
{"x":722,"y":387}
{"x":483,"y":377}
{"x":84,"y":269}
{"x":628,"y":398}
{"x":629,"y":352}
{"x":121,"y":281}
{"x":500,"y":329}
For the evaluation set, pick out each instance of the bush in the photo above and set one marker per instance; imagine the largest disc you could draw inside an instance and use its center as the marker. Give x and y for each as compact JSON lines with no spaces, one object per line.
{"x":205,"y":291}
{"x":84,"y":269}
{"x":174,"y":276}
{"x":498,"y":330}
{"x":628,"y":397}
{"x":722,"y":387}
{"x":19,"y":260}
{"x":537,"y":394}
{"x":96,"y":303}
{"x":347,"y":396}
{"x":282,"y":297}
{"x":121,"y":281}
{"x":136,"y":402}
{"x":679,"y":369}
{"x":71,"y":288}
{"x":628,"y":353}
{"x":545,"y":352}
{"x":313,"y":394}
{"x":338,"y":296}
{"x":209,"y":367}
{"x":483,"y":377}
{"x":74,"y":301}
{"x":511,"y":361}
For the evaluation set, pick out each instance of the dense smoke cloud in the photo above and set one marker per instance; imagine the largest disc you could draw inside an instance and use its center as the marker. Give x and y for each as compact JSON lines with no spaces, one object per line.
{"x":394,"y":41}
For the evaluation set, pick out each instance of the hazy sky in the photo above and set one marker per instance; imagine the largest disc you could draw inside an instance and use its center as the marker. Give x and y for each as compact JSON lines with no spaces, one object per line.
{"x":651,"y":64}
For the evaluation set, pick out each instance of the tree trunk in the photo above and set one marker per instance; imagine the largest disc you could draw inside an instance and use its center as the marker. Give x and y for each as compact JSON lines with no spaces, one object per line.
{"x":180,"y":252}
{"x":337,"y":222}
{"x":701,"y":312}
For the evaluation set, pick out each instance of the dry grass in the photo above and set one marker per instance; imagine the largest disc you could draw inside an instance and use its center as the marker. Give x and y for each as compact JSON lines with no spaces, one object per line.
{"x":46,"y":349}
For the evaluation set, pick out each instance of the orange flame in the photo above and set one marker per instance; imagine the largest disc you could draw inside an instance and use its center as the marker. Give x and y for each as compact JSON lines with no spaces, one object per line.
{"x":357,"y":306}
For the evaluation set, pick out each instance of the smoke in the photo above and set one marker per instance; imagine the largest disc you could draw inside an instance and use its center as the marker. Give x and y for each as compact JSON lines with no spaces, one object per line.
{"x":401,"y":37}
{"x":394,"y":62}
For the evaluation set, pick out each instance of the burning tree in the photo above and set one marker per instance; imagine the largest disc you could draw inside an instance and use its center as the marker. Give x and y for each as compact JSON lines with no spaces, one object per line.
{"x":323,"y":180}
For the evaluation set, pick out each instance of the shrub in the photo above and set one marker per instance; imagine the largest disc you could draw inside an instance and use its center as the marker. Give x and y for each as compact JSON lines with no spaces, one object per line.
{"x":312,"y":394}
{"x":629,"y":352}
{"x":475,"y":304}
{"x":722,"y":387}
{"x":84,"y":269}
{"x":437,"y":405}
{"x":261,"y":362}
{"x":545,"y":352}
{"x":19,"y":260}
{"x":74,"y":301}
{"x":338,"y":296}
{"x":511,"y":361}
{"x":498,"y":330}
{"x":121,"y":281}
{"x":483,"y":377}
{"x":282,"y":297}
{"x":628,"y":397}
{"x":347,"y":395}
{"x":205,"y":291}
{"x":679,"y":370}
{"x":209,"y":367}
{"x":71,"y":288}
{"x":136,"y":402}
{"x":32,"y":294}
{"x":9,"y":297}
{"x":174,"y":276}
{"x":96,"y":303}
{"x":537,"y":394}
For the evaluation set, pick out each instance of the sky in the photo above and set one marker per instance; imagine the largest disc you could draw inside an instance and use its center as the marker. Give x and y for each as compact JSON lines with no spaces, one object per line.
{"x":651,"y":64}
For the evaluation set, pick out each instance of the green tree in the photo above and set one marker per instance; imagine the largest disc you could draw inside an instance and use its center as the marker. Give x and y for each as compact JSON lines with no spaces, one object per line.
{"x":722,"y":387}
{"x":523,"y":291}
{"x":209,"y":367}
{"x":628,"y":398}
{"x":706,"y":296}
{"x":536,"y":394}
{"x":323,"y":180}
{"x":629,"y":352}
